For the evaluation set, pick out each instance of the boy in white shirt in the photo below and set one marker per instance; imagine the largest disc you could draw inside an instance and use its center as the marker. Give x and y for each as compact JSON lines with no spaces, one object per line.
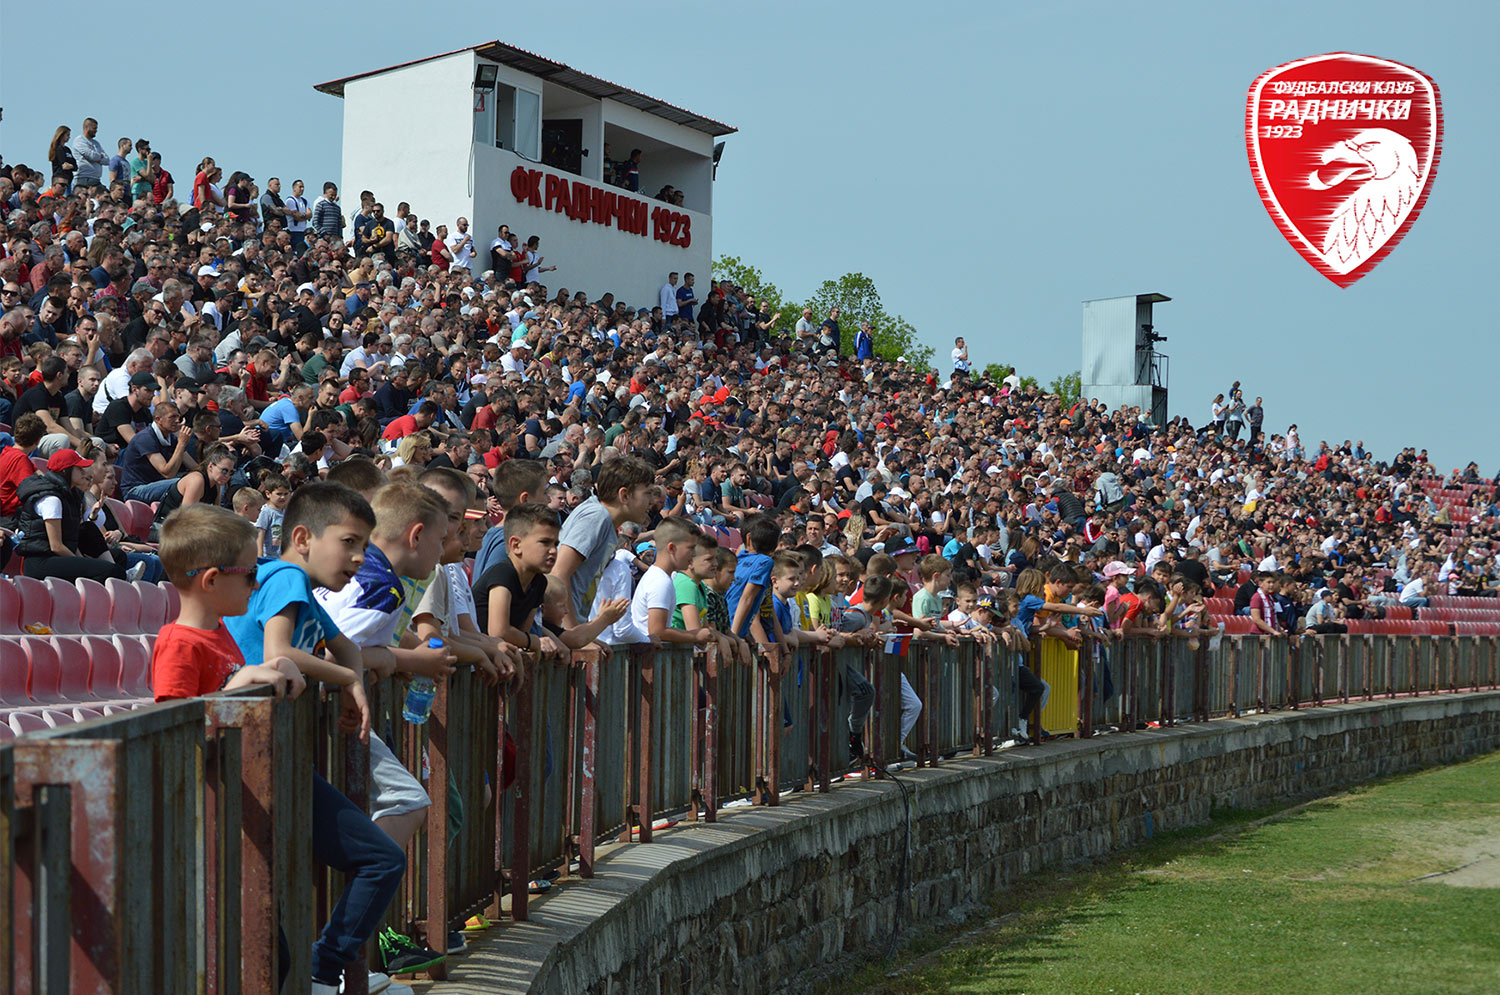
{"x":615,"y":583}
{"x":656,"y":595}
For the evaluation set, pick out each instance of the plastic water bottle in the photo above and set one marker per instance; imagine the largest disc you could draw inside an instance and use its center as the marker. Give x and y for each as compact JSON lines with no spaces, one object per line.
{"x":420,"y":693}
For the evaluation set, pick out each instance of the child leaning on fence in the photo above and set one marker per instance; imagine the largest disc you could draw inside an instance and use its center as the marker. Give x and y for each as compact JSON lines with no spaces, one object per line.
{"x":694,"y":597}
{"x":324,"y":534}
{"x":510,"y":592}
{"x":209,"y":555}
{"x":445,"y":609}
{"x":372,"y":610}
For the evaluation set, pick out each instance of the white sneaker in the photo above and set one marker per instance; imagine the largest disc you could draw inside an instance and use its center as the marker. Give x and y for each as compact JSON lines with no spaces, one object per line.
{"x":134,"y":573}
{"x":376,"y":984}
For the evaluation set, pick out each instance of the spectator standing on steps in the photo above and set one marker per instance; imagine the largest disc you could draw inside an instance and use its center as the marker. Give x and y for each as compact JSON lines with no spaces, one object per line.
{"x":89,"y":155}
{"x":1255,"y":415}
{"x":327,"y":219}
{"x":1234,"y":418}
{"x":960,"y":356}
{"x":668,"y":297}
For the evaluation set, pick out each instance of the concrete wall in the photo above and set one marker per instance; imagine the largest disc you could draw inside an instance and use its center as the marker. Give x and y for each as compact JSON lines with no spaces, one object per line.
{"x":407,"y":137}
{"x":773,"y":900}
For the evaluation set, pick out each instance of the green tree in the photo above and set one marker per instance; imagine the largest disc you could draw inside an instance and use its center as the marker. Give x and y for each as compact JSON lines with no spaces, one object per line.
{"x":858,"y":301}
{"x":1069,"y":387}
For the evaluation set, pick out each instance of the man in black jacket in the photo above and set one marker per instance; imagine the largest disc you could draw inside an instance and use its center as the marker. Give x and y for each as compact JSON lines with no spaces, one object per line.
{"x":1069,"y":508}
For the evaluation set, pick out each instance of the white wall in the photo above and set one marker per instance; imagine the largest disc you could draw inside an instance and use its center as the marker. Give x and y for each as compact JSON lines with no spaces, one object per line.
{"x":444,"y":174}
{"x":588,"y":256}
{"x":407,"y":136}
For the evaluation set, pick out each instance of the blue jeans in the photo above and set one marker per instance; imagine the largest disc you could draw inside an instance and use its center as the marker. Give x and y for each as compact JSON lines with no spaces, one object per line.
{"x":153,"y":574}
{"x":346,"y":840}
{"x":861,"y":697}
{"x":154,"y":491}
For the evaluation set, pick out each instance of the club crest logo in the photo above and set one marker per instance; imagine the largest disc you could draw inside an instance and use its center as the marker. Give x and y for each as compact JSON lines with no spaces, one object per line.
{"x":1343,"y":149}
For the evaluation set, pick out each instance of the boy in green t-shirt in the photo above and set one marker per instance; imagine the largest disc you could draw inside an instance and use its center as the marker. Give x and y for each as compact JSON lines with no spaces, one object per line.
{"x":936,"y":573}
{"x":691,"y":594}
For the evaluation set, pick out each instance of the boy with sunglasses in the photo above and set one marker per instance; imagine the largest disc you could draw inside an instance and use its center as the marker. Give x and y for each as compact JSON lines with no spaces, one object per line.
{"x":209,"y":554}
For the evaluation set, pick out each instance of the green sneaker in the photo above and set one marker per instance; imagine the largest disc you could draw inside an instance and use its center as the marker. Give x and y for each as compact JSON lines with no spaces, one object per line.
{"x":400,"y":954}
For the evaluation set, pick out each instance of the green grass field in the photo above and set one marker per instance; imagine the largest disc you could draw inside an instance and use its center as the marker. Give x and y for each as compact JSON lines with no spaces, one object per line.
{"x":1323,"y":898}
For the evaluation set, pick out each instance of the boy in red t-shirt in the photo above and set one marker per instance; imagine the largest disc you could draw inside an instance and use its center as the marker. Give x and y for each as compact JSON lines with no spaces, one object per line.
{"x":209,"y":554}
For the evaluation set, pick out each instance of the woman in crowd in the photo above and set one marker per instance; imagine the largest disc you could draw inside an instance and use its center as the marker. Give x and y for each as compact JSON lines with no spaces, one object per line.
{"x":201,"y":485}
{"x":61,"y":156}
{"x":52,"y":533}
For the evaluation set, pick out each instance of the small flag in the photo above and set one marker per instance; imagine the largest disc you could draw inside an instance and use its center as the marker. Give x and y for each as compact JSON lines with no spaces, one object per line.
{"x":898,"y":644}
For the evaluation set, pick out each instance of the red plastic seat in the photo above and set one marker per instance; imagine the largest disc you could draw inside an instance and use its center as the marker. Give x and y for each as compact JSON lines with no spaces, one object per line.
{"x":67,"y":606}
{"x":124,"y":605}
{"x":1237,"y":625}
{"x":153,"y":606}
{"x":23,"y":722}
{"x":73,"y":667}
{"x":95,"y":597}
{"x":141,"y":517}
{"x":6,"y":732}
{"x":56,"y":718}
{"x":1398,"y":611}
{"x":119,"y":511}
{"x":1219,"y":606}
{"x":39,"y":463}
{"x":82,"y":713}
{"x":10,"y":608}
{"x":174,"y":600}
{"x":36,"y":601}
{"x":15,"y":674}
{"x":104,"y":667}
{"x":45,"y":682}
{"x":135,"y":666}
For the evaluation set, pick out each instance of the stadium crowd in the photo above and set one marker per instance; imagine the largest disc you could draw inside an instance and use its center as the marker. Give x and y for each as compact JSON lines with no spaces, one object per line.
{"x":326,"y":380}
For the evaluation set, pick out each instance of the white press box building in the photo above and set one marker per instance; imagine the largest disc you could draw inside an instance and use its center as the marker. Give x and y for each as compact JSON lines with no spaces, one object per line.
{"x":501,"y":136}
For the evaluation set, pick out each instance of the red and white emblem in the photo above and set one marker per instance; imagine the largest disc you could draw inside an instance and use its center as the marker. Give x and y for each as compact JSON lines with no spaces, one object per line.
{"x":1344,"y":148}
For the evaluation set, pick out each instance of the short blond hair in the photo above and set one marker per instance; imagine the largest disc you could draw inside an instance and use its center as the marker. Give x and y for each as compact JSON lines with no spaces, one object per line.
{"x":247,"y":497}
{"x":399,"y":506}
{"x":199,"y":536}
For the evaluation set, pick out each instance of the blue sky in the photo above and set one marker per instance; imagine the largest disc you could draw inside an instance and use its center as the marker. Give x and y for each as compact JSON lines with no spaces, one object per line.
{"x":990,"y":165}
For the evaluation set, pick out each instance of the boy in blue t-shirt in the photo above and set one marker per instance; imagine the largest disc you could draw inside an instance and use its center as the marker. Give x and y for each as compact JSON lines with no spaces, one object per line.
{"x":324,"y":535}
{"x":749,"y":595}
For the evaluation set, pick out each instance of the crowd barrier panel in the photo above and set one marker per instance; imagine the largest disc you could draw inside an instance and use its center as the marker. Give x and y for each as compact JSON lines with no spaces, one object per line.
{"x":172,"y":842}
{"x":159,"y":849}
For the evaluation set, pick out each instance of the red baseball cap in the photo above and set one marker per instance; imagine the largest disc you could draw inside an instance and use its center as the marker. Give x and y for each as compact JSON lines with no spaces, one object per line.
{"x":66,"y":459}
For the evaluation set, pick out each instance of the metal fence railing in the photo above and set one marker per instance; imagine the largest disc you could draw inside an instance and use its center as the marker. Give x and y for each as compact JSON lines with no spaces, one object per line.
{"x":167,"y":848}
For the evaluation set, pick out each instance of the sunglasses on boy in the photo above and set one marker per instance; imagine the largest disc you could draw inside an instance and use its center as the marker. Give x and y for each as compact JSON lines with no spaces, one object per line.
{"x":235,"y":571}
